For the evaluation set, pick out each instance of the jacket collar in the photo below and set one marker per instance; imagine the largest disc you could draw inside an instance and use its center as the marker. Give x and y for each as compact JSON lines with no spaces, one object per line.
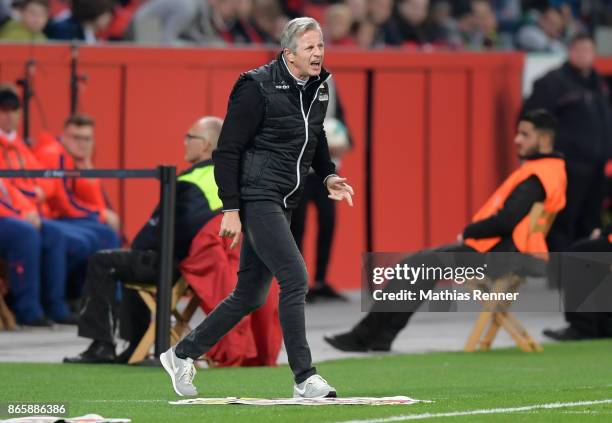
{"x":198,"y":165}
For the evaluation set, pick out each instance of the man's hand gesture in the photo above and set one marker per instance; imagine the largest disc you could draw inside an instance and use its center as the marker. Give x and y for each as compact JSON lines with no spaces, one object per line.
{"x":231,"y":227}
{"x":339,"y":190}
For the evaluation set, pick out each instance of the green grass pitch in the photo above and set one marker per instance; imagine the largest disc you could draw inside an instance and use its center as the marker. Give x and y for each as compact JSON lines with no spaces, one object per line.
{"x":456,"y":382}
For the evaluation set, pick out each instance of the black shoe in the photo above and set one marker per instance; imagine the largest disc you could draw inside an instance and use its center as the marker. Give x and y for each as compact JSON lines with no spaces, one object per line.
{"x":125,"y":356}
{"x":98,"y":352}
{"x":322,"y":290}
{"x":347,"y":342}
{"x":41,"y":322}
{"x":70,"y":319}
{"x":566,"y":334}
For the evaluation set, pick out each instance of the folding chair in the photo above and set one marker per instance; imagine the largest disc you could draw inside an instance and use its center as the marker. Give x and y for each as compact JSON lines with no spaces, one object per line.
{"x":495,"y":314}
{"x":7,"y":318}
{"x":148,"y":294}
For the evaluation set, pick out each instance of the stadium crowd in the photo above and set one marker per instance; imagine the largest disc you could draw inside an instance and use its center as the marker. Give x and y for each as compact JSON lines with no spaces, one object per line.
{"x":475,"y":25}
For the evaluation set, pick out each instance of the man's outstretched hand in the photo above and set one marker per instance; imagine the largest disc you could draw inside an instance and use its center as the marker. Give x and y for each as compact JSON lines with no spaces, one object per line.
{"x":231,"y":227}
{"x":339,"y":190}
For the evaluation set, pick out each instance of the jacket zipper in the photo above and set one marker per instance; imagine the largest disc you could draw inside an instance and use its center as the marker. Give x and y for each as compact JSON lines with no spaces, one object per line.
{"x":305,"y":117}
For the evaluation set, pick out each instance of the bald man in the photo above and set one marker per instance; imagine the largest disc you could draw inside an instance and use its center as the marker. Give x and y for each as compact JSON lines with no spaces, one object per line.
{"x":197,"y":203}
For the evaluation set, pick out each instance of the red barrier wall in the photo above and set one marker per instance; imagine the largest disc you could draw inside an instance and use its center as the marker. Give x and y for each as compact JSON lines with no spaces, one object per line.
{"x":441,"y":129}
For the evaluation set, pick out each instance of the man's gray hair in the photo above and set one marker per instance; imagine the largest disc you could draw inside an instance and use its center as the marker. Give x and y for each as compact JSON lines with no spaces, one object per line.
{"x":294,"y":28}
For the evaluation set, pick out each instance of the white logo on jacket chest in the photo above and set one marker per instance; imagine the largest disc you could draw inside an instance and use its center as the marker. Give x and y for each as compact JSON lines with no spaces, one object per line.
{"x":323,"y":97}
{"x":282,"y":87}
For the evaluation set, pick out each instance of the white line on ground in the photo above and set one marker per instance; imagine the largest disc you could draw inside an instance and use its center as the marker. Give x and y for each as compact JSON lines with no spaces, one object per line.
{"x":126,"y":400}
{"x":483,"y":411}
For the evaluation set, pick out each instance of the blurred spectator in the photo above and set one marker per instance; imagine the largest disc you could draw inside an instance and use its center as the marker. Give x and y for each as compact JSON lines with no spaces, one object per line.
{"x":485,"y":21}
{"x":268,"y":20}
{"x":217,"y":22}
{"x":294,"y":8}
{"x":414,"y":26}
{"x":545,"y":35}
{"x":365,"y":34}
{"x":378,"y":29}
{"x":86,"y":19}
{"x":164,"y":20}
{"x":338,"y":25}
{"x":578,"y":96}
{"x":507,"y":10}
{"x":123,"y":14}
{"x":32,"y":19}
{"x":358,"y":9}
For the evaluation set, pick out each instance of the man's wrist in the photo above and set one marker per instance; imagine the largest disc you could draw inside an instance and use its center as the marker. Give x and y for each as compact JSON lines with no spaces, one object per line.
{"x":327,"y":177}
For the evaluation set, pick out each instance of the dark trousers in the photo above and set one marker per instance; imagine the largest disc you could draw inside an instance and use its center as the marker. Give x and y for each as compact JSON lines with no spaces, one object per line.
{"x":582,"y":212}
{"x":38,"y":264}
{"x":268,"y":249}
{"x":20,"y":244}
{"x":594,"y":324}
{"x":105,"y":269}
{"x":316,"y":192}
{"x":381,"y":328}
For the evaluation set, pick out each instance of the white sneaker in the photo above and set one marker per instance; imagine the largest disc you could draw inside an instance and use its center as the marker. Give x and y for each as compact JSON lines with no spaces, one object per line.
{"x":181,"y":371}
{"x":314,"y":387}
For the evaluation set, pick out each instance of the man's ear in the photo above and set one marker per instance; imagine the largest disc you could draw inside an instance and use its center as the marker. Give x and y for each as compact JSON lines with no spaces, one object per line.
{"x":289,"y":55}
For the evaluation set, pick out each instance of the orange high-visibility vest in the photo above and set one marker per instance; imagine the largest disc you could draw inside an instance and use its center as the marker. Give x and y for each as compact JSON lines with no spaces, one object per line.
{"x":73,"y":197}
{"x":551,"y":173}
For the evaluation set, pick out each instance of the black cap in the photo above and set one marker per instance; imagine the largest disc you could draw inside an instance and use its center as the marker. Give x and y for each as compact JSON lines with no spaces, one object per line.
{"x":9,"y":100}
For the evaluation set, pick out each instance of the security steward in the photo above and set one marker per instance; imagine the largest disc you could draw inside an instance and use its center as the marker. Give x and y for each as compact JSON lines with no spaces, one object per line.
{"x":501,"y":225}
{"x":197,"y":203}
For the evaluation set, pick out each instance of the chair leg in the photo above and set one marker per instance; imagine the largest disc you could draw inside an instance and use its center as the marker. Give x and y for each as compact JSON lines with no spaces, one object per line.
{"x":535,"y":345}
{"x":144,"y":346}
{"x":479,"y":326}
{"x":182,"y":319}
{"x":518,"y":337}
{"x":487,"y":340}
{"x":148,"y":339}
{"x":7,"y":319}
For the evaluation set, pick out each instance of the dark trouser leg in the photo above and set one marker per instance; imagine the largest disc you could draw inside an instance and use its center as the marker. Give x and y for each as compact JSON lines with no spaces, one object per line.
{"x":54,"y":250}
{"x":326,"y":209}
{"x":268,"y":248}
{"x":590,"y":213}
{"x":250,"y":293}
{"x":379,"y":327}
{"x":20,"y":246}
{"x":134,"y":316}
{"x":97,"y":315}
{"x":592,"y":324}
{"x":298,"y":216}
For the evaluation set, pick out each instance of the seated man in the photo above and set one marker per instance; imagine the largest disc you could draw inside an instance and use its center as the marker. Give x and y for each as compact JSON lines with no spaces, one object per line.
{"x":82,"y":197}
{"x":78,"y":202}
{"x":62,"y":245}
{"x":203,"y":256}
{"x":501,"y":225}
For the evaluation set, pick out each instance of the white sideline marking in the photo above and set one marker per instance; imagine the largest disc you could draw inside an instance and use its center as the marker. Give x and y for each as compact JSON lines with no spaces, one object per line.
{"x":483,"y":411}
